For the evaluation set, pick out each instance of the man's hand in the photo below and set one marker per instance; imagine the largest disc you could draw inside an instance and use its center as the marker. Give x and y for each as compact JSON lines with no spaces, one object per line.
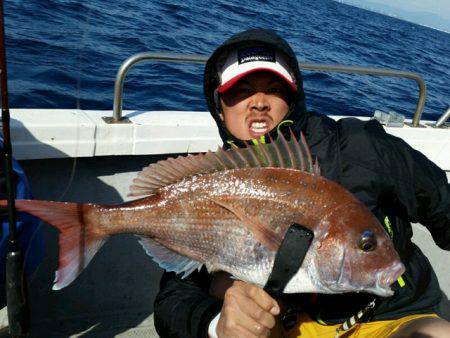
{"x":247,"y":311}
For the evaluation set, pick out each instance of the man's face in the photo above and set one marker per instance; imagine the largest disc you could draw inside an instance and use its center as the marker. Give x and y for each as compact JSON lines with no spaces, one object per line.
{"x":255,"y":105}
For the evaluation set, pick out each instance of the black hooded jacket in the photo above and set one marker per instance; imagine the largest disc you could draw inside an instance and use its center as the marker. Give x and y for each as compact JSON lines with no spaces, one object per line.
{"x":398,"y":184}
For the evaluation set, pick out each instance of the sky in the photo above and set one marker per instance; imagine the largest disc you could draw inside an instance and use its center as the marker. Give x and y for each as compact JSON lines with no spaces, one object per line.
{"x":433,"y":13}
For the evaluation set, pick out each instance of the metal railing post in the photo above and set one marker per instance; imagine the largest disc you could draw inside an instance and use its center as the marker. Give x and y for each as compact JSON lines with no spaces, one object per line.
{"x":132,"y":60}
{"x":440,"y":122}
{"x":380,"y":72}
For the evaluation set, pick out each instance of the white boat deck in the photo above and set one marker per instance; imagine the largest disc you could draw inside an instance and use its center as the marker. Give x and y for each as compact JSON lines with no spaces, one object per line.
{"x":74,"y":153}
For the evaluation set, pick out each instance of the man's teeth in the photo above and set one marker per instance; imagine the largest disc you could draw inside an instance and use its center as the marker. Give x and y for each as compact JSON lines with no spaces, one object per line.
{"x":258,"y":126}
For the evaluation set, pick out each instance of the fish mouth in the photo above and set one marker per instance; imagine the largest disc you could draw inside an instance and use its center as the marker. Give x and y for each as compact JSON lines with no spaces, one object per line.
{"x":381,"y":287}
{"x":259,"y":126}
{"x":381,"y":291}
{"x":386,"y":279}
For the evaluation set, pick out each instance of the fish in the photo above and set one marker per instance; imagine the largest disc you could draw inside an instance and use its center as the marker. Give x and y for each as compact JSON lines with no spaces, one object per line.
{"x":229,"y":211}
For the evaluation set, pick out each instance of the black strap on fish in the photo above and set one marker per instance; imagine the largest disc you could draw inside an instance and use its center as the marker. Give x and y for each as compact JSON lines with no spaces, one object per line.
{"x":288,"y":258}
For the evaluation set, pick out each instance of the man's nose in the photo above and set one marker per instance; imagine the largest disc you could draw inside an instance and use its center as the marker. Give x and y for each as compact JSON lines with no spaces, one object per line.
{"x":259,"y":102}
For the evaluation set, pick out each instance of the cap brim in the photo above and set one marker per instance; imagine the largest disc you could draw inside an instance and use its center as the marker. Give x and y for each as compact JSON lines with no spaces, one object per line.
{"x":230,"y":83}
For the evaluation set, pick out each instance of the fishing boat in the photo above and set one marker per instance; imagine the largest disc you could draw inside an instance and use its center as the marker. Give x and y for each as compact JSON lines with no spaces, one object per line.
{"x":92,"y":156}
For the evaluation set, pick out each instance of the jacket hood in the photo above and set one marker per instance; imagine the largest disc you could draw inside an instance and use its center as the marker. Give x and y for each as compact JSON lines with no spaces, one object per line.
{"x":296,"y":117}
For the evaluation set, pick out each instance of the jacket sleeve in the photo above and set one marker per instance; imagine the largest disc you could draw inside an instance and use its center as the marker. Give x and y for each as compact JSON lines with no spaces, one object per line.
{"x":183,"y":307}
{"x":420,"y":185}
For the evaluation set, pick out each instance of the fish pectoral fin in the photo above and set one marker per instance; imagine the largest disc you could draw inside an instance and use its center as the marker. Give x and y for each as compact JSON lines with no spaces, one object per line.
{"x":262,"y":232}
{"x":167,"y":259}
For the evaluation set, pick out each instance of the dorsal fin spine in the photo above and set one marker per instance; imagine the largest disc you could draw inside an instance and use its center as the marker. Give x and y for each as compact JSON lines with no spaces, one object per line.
{"x":149,"y":180}
{"x":153,"y":174}
{"x":208,"y":165}
{"x":211,"y":161}
{"x":140,"y":182}
{"x":156,"y":179}
{"x":189,"y":160}
{"x":255,"y":156}
{"x":163,"y":171}
{"x":168,"y":164}
{"x":299,"y":151}
{"x":243,"y":158}
{"x":229,"y":158}
{"x":277,"y":152}
{"x":289,"y":150}
{"x":218,"y":159}
{"x":267,"y":157}
{"x":308,"y":153}
{"x":262,"y":158}
{"x":317,"y":167}
{"x":184,"y":163}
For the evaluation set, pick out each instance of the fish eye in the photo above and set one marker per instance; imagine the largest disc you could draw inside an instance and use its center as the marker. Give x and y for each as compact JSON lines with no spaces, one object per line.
{"x":367,"y":242}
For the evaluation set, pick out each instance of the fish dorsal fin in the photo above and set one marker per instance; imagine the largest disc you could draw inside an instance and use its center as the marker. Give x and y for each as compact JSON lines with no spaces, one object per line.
{"x":167,"y":259}
{"x":280,"y":153}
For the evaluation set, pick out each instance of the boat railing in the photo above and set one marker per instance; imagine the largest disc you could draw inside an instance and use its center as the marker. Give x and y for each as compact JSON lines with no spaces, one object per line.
{"x":440,"y":122}
{"x":140,"y":57}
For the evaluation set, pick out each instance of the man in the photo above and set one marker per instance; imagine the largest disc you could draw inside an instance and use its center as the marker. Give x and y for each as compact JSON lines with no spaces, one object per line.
{"x":253,"y":88}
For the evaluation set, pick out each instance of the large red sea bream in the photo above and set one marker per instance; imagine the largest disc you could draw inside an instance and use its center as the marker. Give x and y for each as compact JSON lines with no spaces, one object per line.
{"x":229,"y":211}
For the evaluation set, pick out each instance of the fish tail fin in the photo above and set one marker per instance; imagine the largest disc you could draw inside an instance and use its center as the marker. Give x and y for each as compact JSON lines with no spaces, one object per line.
{"x":77,"y":242}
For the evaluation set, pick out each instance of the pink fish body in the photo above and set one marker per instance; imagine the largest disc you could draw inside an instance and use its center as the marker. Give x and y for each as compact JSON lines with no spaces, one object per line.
{"x":229,"y":211}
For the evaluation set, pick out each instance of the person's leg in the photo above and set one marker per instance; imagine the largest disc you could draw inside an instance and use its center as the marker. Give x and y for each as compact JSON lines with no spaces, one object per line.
{"x":423,"y":328}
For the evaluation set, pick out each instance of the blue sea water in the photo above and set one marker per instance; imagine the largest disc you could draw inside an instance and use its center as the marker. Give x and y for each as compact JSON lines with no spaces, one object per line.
{"x":65,"y":53}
